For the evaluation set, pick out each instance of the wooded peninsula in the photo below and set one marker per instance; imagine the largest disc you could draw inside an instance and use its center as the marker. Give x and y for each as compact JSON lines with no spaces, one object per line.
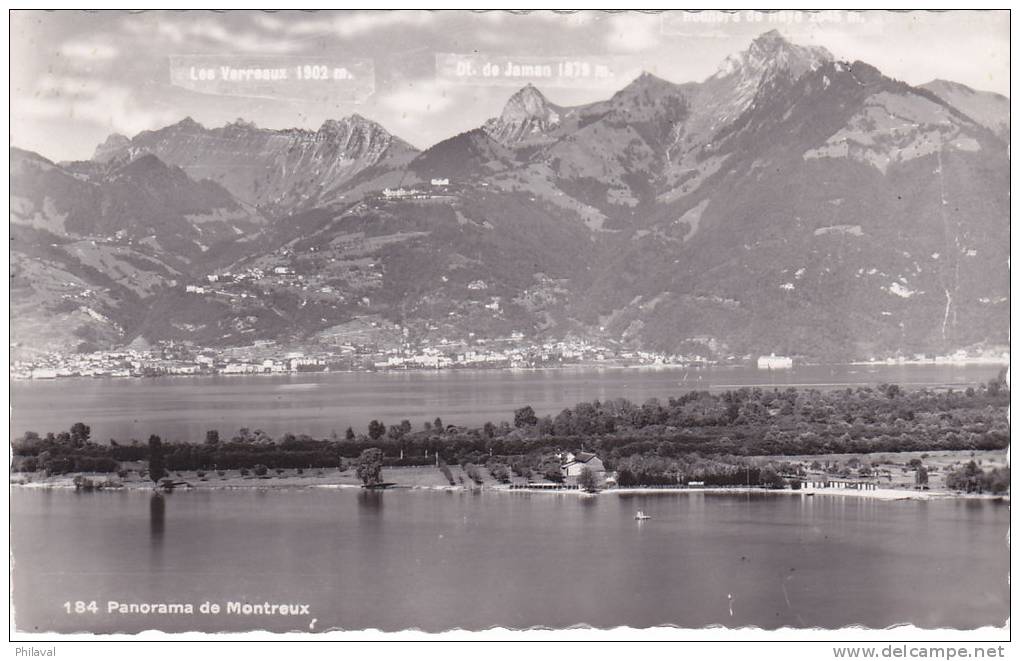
{"x":710,"y":438}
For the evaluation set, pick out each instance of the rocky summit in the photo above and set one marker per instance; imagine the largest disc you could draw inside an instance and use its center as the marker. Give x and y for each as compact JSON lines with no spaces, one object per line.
{"x":276,"y":171}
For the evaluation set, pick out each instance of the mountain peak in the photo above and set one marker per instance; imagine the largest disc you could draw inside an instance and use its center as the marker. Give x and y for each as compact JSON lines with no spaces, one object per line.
{"x":241,"y":123}
{"x":110,"y":147}
{"x":188,"y":123}
{"x":352,"y":123}
{"x":527,"y":102}
{"x":949,"y":85}
{"x":647,"y":82}
{"x":145,"y":165}
{"x":527,"y":115}
{"x":772,"y":52}
{"x":771,"y":39}
{"x":646,"y":78}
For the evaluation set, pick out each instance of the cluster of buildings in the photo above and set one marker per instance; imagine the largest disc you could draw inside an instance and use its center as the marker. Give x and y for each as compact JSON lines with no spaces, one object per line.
{"x":992,"y":356}
{"x":158,"y":362}
{"x":368,"y":354}
{"x":266,"y":357}
{"x":437,"y":188}
{"x":960,"y":357}
{"x":122,"y":363}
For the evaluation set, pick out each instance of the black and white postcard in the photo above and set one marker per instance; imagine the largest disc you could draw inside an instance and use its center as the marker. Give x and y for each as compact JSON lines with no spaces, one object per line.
{"x":338,"y":321}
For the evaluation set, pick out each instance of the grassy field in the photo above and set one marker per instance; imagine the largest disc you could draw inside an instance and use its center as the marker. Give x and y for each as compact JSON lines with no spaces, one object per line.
{"x":411,"y":476}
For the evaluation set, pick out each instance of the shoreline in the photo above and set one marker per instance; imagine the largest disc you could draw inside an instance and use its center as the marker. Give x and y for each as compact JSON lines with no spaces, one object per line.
{"x":268,"y":485}
{"x":607,"y":365}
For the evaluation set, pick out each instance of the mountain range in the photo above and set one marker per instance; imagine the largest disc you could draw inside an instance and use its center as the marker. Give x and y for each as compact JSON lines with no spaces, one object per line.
{"x":789,"y":203}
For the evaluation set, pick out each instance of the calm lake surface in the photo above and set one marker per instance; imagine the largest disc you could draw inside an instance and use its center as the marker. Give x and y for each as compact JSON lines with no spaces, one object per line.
{"x":437,"y":560}
{"x":183,"y":408}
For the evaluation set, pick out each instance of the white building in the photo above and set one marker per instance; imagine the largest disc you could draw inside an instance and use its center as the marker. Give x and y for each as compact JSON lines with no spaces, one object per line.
{"x":432,"y":360}
{"x":241,"y":368}
{"x":576,"y":463}
{"x":774,"y":362}
{"x":402,"y":193}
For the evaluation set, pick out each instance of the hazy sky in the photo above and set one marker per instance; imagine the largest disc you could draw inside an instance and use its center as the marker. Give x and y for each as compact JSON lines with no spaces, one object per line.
{"x":76,"y":77}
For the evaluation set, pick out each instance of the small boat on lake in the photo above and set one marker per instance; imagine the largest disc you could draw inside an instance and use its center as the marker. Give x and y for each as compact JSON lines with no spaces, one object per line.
{"x":641,"y":516}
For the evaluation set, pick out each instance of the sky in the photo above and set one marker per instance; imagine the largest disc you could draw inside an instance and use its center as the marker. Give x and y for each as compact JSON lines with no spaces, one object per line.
{"x":77,"y":77}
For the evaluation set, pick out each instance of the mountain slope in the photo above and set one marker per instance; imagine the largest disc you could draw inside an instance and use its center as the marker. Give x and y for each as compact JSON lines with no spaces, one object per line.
{"x":91,"y":243}
{"x":986,"y":108}
{"x":787,"y":203}
{"x":467,"y":156}
{"x":140,"y":200}
{"x":276,"y":171}
{"x":853,"y":214}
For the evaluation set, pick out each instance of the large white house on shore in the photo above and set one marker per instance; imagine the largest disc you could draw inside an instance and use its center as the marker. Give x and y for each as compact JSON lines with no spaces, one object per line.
{"x":774,"y":362}
{"x":575,"y":463}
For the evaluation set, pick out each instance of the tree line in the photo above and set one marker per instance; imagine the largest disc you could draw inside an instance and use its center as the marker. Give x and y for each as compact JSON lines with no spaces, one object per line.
{"x":736,"y":423}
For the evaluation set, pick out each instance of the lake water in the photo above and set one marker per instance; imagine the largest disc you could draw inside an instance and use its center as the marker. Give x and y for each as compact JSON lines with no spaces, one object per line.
{"x":438,"y":560}
{"x":183,"y":408}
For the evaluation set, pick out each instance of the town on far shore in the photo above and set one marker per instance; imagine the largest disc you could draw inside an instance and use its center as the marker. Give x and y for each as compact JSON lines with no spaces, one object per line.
{"x":170,"y":358}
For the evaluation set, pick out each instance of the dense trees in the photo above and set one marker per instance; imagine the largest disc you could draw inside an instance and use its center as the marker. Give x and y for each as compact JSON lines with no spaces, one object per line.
{"x":656,"y":470}
{"x":80,"y":433}
{"x":368,"y":467}
{"x":1000,"y":383}
{"x":156,"y":466}
{"x":549,"y":467}
{"x":525,"y":417}
{"x":376,"y":430}
{"x":770,"y":478}
{"x":499,"y":471}
{"x":972,"y":479}
{"x":587,"y":480}
{"x":659,"y":435}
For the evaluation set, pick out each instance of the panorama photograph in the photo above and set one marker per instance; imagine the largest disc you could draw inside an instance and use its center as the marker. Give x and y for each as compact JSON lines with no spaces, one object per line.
{"x":432,"y":321}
